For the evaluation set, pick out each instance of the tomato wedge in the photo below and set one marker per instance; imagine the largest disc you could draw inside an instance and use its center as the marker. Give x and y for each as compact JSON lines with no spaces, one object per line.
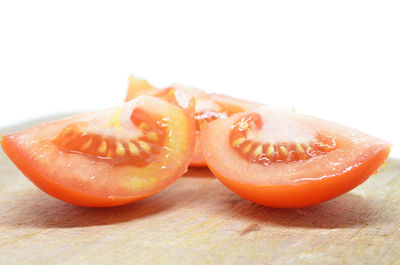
{"x":283,"y":159}
{"x":108,"y":158}
{"x":208,"y":106}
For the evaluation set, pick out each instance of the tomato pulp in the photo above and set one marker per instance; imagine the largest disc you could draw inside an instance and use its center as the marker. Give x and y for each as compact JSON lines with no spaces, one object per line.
{"x":108,"y":158}
{"x":283,"y":159}
{"x":208,"y":107}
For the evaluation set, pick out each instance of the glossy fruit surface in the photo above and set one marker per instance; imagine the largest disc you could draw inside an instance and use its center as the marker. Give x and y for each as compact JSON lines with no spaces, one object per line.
{"x":282,"y":159}
{"x":108,"y":158}
{"x":208,"y":107}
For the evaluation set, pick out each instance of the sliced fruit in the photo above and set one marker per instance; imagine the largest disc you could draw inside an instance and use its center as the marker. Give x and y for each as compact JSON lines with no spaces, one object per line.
{"x":208,"y":106}
{"x":282,"y":159}
{"x":233,"y":105}
{"x":107,"y":158}
{"x":138,"y":87}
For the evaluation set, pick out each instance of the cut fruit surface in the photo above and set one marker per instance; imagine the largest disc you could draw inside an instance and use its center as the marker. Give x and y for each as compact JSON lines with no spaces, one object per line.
{"x":208,"y":107}
{"x":283,"y":159}
{"x":107,"y":158}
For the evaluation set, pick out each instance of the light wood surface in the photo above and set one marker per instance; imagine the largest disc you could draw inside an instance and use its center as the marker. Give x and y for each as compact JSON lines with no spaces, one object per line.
{"x":199,"y":221}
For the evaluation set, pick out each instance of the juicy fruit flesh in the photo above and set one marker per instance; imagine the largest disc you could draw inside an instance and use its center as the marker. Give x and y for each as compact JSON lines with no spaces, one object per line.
{"x":266,"y":153}
{"x":204,"y":117}
{"x":208,"y":107}
{"x":88,"y":180}
{"x":205,"y":111}
{"x":136,"y":152}
{"x":292,"y":184}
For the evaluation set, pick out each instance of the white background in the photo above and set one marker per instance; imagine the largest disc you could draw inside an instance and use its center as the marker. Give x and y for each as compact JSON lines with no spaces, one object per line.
{"x":339,"y":60}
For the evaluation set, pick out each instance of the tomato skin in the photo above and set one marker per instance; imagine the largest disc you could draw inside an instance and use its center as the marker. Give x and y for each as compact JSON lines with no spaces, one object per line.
{"x":215,"y":102}
{"x":297,"y":196}
{"x":138,"y":87}
{"x":73,"y":193}
{"x":233,"y":105}
{"x":289,"y":194}
{"x":198,"y":159}
{"x":52,"y":188}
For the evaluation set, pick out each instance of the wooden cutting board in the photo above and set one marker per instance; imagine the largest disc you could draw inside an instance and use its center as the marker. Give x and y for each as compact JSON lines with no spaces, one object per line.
{"x":199,"y":221}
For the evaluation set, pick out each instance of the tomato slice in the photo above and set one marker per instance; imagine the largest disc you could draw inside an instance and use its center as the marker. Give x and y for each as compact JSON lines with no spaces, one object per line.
{"x":138,"y":87}
{"x":233,"y":105}
{"x":282,"y":159}
{"x":208,"y":106}
{"x":108,"y":158}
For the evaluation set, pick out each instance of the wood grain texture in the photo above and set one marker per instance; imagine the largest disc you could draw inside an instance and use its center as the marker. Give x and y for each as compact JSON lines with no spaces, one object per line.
{"x":199,"y":221}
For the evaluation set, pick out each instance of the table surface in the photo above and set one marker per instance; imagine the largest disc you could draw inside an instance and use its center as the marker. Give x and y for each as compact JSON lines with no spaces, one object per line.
{"x":199,"y":221}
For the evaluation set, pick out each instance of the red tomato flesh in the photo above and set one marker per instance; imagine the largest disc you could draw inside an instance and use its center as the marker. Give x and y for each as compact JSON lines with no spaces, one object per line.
{"x":208,"y":106}
{"x":282,"y":159}
{"x":108,"y":158}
